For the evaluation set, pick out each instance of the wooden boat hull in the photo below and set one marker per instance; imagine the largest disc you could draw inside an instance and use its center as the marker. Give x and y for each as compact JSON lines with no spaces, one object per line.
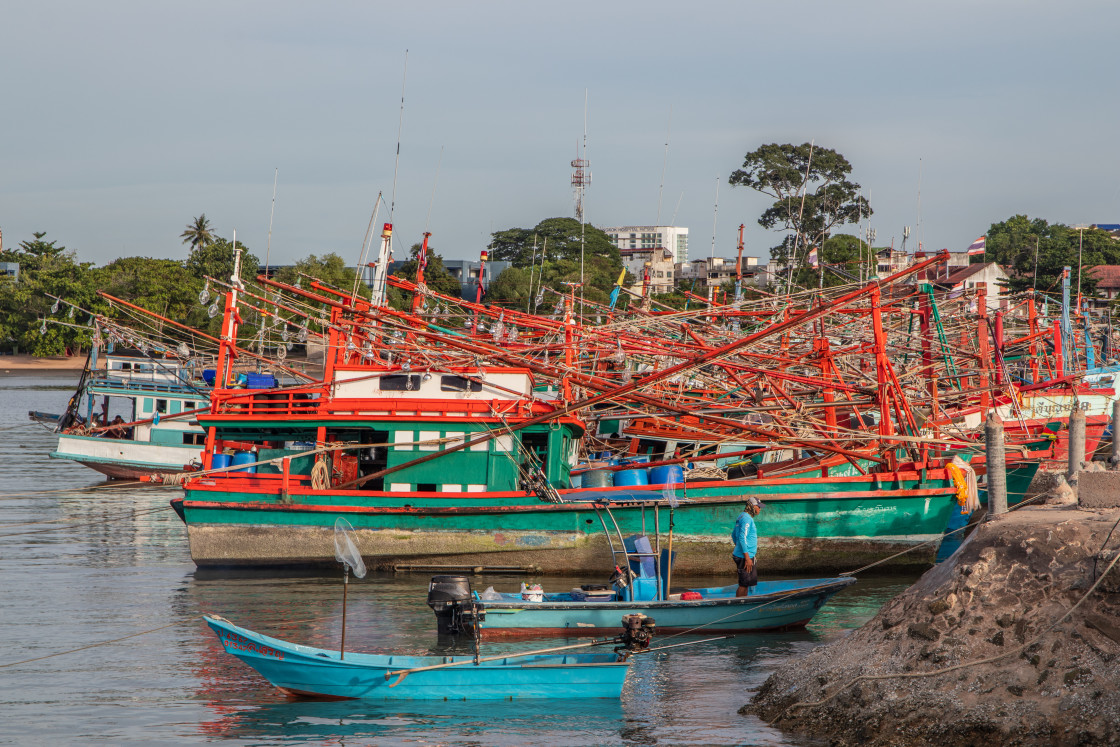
{"x":124,"y":459}
{"x":820,"y":524}
{"x":772,"y":605}
{"x":304,"y":671}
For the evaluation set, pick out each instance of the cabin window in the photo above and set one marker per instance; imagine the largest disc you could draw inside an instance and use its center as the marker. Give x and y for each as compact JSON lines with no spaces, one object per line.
{"x":459,"y":384}
{"x":456,"y":439}
{"x":537,"y":445}
{"x":176,"y":407}
{"x":476,"y":488}
{"x":428,"y":436}
{"x":126,"y":366}
{"x":161,"y":406}
{"x":402,"y":441}
{"x":400,"y":383}
{"x":400,"y":487}
{"x":482,"y":446}
{"x":426,"y":487}
{"x":194,"y":439}
{"x":451,"y":488}
{"x":503,"y":444}
{"x":146,"y":405}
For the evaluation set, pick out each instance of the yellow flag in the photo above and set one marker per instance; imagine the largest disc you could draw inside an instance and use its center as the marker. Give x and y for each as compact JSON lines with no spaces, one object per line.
{"x":621,"y":278}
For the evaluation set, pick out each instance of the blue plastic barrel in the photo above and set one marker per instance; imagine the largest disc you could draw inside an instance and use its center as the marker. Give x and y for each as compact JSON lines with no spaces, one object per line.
{"x":666,"y":474}
{"x":208,"y":375}
{"x":247,"y":458}
{"x":597,"y":478}
{"x":630,"y":477}
{"x":219,"y":461}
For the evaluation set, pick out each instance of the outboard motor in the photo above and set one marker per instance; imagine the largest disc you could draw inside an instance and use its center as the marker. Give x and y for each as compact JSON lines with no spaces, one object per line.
{"x":451,"y":599}
{"x":637,"y":631}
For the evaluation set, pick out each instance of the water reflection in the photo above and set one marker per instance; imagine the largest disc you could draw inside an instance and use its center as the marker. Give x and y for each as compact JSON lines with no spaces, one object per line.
{"x":114,"y":562}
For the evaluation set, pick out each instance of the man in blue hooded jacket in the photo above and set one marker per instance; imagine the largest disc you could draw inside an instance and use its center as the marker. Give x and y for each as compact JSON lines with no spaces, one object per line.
{"x":745,"y":537}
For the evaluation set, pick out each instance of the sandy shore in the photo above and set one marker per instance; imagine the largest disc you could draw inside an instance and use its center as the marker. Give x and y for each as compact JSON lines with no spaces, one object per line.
{"x":22,"y":363}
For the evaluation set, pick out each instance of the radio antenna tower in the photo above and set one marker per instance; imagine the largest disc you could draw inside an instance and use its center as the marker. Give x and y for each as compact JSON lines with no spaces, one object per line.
{"x":581,"y":178}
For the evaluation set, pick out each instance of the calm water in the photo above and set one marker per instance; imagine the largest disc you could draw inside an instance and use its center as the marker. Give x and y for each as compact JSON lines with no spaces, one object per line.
{"x":81,"y":564}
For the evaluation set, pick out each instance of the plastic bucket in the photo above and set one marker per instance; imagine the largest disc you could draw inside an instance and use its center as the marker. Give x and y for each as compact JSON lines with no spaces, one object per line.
{"x":597,"y":478}
{"x":666,"y":474}
{"x":220,"y":461}
{"x":246,"y":458}
{"x":629,"y":477}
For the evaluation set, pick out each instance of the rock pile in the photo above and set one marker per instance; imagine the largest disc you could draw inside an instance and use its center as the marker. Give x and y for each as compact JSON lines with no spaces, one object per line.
{"x":977,"y":651}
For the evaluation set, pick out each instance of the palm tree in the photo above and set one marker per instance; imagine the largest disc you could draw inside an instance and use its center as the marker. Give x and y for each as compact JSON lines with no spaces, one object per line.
{"x":198,"y":233}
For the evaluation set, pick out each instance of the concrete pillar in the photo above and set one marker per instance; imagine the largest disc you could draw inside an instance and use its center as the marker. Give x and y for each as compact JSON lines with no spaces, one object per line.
{"x":997,"y":465}
{"x":1114,"y":460}
{"x":1076,"y":444}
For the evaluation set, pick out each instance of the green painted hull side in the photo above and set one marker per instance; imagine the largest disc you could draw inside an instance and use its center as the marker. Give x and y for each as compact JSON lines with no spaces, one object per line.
{"x":833,"y":527}
{"x":793,"y":516}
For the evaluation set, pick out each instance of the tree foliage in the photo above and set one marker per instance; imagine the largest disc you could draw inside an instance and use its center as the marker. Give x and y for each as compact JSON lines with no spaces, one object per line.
{"x":44,"y":268}
{"x":554,"y":263}
{"x":812,"y":193}
{"x":199,"y":233}
{"x":555,"y":239}
{"x":330,"y":269}
{"x":436,"y":275}
{"x":160,"y":285}
{"x":1013,"y":242}
{"x":216,"y":260}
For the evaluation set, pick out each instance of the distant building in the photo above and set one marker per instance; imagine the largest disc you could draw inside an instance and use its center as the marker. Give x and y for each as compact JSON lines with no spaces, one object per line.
{"x":967,"y":278}
{"x":661,"y":269}
{"x":673,"y":238}
{"x":10,"y":270}
{"x":466,"y":272}
{"x":1108,"y":280}
{"x":715,"y":271}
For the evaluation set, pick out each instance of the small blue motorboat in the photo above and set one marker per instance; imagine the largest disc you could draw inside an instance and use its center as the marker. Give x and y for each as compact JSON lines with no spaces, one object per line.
{"x":304,"y":671}
{"x":640,"y":585}
{"x":771,"y":605}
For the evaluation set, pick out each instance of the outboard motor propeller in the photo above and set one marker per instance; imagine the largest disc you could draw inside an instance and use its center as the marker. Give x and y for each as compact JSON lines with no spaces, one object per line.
{"x":451,"y":599}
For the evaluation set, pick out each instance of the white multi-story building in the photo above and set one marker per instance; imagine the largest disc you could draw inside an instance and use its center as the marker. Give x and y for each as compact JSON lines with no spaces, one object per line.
{"x":638,"y":238}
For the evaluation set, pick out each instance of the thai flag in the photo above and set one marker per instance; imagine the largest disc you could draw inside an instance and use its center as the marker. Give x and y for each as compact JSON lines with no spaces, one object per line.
{"x":976,"y":247}
{"x":813,"y":257}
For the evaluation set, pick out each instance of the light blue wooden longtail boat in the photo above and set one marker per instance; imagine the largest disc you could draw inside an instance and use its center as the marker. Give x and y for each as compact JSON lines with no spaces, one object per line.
{"x":304,"y":671}
{"x":771,"y":605}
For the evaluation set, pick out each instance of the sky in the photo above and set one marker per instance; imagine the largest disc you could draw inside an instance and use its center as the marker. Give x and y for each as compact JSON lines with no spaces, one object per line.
{"x":122,"y":121}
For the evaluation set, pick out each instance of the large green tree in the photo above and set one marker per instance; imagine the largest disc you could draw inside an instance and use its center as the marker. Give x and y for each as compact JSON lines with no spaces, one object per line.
{"x":216,"y":259}
{"x":811,"y":190}
{"x":45,"y":268}
{"x":160,"y":285}
{"x":1014,"y":242}
{"x":554,"y":239}
{"x":550,"y":255}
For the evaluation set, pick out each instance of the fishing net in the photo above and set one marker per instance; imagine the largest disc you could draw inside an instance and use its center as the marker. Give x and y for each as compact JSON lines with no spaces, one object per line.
{"x":345,"y":550}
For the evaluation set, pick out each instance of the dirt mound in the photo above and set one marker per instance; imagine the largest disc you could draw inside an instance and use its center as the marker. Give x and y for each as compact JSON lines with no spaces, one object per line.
{"x":994,"y":602}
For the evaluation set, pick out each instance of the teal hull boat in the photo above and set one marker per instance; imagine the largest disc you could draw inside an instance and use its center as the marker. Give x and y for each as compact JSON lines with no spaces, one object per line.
{"x":303,"y":671}
{"x":771,"y":605}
